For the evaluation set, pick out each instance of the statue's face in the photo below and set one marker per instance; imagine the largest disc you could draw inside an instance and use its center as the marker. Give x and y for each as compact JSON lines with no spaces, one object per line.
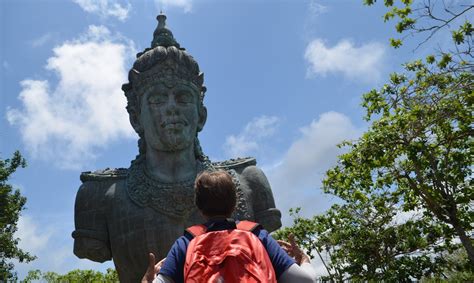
{"x":171,"y":116}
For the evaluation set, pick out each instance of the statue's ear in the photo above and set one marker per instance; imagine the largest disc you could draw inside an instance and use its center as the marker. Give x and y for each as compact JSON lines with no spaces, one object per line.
{"x":202,"y":117}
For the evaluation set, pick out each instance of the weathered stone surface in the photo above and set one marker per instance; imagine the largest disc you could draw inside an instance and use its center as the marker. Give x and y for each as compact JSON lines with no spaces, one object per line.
{"x":123,"y":214}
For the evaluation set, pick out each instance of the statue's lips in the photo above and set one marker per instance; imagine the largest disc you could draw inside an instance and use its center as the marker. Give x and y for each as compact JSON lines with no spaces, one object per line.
{"x":174,"y":124}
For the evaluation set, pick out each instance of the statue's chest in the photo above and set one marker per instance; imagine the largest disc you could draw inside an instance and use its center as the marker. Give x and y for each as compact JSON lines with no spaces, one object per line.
{"x":149,"y":216}
{"x":135,"y":230}
{"x":173,"y":200}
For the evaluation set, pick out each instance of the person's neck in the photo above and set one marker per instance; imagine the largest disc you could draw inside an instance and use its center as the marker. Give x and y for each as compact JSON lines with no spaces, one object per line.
{"x":216,"y":217}
{"x":171,"y":167}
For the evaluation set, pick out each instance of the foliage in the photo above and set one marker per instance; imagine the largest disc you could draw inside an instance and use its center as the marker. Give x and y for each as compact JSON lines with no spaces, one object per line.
{"x":11,"y":205}
{"x":415,"y":159}
{"x":74,"y":276}
{"x":455,"y":271}
{"x":419,"y":147}
{"x":429,"y":17}
{"x":361,"y":242}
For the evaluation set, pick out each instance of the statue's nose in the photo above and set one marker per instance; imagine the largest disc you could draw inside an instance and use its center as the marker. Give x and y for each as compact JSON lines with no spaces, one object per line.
{"x":171,"y":106}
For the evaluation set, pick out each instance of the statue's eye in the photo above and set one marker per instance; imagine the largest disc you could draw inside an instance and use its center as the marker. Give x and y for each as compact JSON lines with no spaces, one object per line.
{"x":184,"y":97}
{"x":157,"y":99}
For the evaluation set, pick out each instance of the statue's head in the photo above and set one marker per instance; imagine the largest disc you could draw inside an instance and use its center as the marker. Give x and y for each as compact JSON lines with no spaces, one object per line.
{"x":165,"y":95}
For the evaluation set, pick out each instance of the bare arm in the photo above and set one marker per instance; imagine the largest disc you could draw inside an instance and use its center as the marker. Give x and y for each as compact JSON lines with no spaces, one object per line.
{"x":163,"y":279}
{"x":151,"y":274}
{"x":302,"y":271}
{"x":296,"y":273}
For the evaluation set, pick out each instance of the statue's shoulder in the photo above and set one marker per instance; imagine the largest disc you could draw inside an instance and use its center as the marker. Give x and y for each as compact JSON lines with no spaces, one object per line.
{"x":247,"y":170}
{"x":237,"y":164}
{"x":244,"y":167}
{"x":107,"y":174}
{"x":99,"y":185}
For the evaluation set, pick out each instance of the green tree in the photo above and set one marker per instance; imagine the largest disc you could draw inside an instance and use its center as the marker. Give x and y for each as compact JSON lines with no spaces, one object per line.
{"x":419,"y":146}
{"x":362,"y":242}
{"x":454,"y":272}
{"x":11,"y":205}
{"x":421,"y":138}
{"x":415,"y":156}
{"x":429,"y":17}
{"x":73,"y":276}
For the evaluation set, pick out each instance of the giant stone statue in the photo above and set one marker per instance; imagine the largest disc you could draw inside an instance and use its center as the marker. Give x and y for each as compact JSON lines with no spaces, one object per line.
{"x":123,"y":214}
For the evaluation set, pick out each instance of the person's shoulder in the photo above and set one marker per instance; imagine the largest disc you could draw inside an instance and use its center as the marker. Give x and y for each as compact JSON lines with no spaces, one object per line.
{"x":180,"y":245}
{"x":261,"y":233}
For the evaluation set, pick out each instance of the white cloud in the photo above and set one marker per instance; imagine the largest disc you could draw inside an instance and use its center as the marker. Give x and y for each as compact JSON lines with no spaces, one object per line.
{"x":247,"y":141}
{"x":402,"y":217}
{"x":186,"y":5}
{"x":19,"y":187}
{"x":52,"y":244}
{"x":317,"y":8}
{"x":66,"y":123}
{"x":297,"y":179}
{"x":42,"y":40}
{"x":32,"y":239}
{"x":362,"y":63}
{"x":105,"y":8}
{"x":318,"y":265}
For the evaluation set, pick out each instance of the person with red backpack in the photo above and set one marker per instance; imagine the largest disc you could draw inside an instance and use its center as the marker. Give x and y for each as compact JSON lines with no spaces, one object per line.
{"x":224,"y":250}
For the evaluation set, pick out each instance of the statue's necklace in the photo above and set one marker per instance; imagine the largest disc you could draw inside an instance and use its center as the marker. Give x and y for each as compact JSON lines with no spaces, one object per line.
{"x":173,"y":199}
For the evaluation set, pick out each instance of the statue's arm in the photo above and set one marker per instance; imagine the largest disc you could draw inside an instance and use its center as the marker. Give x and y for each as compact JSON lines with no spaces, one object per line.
{"x":91,"y":239}
{"x":262,"y":196}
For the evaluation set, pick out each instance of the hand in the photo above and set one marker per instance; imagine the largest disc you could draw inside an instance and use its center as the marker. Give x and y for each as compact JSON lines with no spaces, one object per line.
{"x":152,"y":269}
{"x":293,"y":250}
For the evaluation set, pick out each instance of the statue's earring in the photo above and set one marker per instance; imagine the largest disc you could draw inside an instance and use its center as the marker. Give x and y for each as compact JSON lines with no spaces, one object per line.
{"x":135,"y":121}
{"x":202,"y":117}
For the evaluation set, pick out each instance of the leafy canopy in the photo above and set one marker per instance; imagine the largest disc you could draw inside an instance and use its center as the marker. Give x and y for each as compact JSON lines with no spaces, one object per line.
{"x":11,"y":205}
{"x":74,"y":276}
{"x":415,"y":160}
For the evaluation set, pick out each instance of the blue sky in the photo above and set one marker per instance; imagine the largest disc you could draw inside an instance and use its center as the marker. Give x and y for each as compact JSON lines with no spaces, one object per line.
{"x":284,"y":80}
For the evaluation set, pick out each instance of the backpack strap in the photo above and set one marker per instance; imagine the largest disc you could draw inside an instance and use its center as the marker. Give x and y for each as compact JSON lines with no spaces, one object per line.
{"x":247,"y":225}
{"x":197,"y":230}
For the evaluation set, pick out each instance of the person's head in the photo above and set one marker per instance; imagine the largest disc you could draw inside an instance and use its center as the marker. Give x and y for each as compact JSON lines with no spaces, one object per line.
{"x":165,"y":94}
{"x":215,"y":193}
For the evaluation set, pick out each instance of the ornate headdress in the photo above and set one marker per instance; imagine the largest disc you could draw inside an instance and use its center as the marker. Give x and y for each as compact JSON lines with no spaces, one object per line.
{"x":165,"y":62}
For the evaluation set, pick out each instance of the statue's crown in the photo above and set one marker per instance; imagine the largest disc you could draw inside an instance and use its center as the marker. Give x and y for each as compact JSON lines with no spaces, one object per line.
{"x":165,"y":61}
{"x":162,"y":36}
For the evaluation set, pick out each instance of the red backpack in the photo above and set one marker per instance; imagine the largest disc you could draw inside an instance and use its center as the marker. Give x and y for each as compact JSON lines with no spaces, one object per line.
{"x":230,"y":256}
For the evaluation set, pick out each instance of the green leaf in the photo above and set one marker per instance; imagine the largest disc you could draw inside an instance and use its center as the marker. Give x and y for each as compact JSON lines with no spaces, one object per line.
{"x":445,"y":60}
{"x":430,"y":59}
{"x":11,"y":205}
{"x":369,"y":2}
{"x":395,"y":43}
{"x":458,"y":36}
{"x":388,"y":16}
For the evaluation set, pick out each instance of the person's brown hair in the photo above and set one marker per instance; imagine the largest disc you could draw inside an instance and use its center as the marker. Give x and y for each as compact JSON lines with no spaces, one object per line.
{"x":215,"y":193}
